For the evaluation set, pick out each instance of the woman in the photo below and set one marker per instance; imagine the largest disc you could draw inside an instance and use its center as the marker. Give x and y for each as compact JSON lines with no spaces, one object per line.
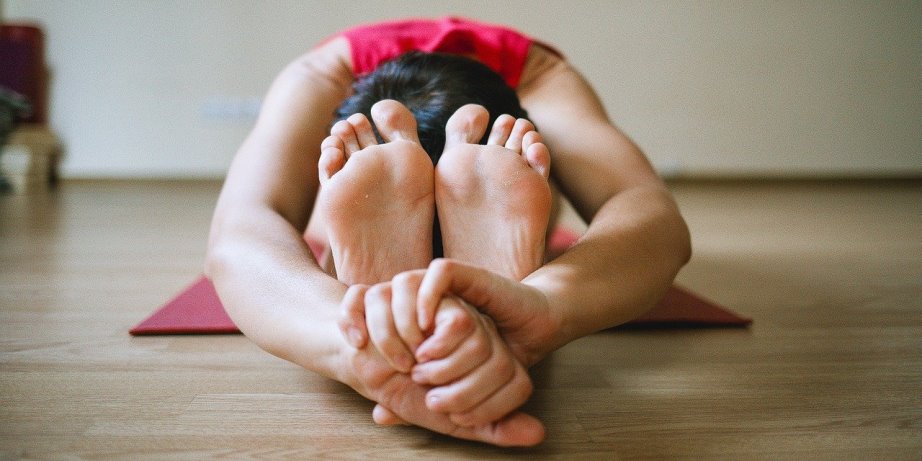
{"x":282,"y":299}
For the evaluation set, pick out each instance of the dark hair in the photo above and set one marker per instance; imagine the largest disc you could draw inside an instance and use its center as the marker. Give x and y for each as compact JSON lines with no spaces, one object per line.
{"x":433,"y":86}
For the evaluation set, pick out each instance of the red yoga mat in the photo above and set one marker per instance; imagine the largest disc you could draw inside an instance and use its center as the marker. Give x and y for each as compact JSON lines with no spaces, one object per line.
{"x":197,"y":309}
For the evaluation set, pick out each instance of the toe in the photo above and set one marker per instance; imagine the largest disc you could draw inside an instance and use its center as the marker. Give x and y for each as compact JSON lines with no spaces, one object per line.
{"x":539,"y":158}
{"x":344,"y":131}
{"x":501,"y":129}
{"x":332,"y":158}
{"x":394,"y":121}
{"x":536,"y":153}
{"x":364,"y":134}
{"x":530,"y":138}
{"x":519,"y":130}
{"x":467,"y":125}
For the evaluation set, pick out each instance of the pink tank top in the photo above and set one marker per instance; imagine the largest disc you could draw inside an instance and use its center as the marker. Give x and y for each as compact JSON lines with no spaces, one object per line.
{"x":501,"y":49}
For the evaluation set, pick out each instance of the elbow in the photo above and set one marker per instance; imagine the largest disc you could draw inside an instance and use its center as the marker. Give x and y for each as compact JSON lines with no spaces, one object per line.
{"x":222,"y":257}
{"x":217,"y":255}
{"x":681,"y":239}
{"x":677,"y":240}
{"x":684,"y":244}
{"x":215,"y":263}
{"x":224,"y":244}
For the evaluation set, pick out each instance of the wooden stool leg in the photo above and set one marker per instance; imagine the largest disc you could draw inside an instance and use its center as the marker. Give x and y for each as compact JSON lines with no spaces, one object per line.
{"x":29,"y":160}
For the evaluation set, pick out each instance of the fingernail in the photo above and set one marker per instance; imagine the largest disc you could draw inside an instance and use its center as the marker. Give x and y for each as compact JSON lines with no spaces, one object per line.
{"x":433,"y":401}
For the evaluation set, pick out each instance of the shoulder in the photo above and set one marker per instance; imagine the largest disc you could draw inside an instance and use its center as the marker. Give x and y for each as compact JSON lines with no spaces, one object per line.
{"x":330,"y":60}
{"x":542,"y":64}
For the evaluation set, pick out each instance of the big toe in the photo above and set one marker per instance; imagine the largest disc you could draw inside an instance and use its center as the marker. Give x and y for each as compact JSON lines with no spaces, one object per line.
{"x":394,"y":121}
{"x":467,"y":125}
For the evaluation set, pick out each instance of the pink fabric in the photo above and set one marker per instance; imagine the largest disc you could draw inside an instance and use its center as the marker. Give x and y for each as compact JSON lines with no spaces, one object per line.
{"x":196,"y":310}
{"x":502,"y":49}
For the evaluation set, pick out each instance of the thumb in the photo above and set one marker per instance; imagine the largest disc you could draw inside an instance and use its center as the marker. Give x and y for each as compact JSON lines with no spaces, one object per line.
{"x":515,"y":430}
{"x":490,"y":293}
{"x":384,"y":417}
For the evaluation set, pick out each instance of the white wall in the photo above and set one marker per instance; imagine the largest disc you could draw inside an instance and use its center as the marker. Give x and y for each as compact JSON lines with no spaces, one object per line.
{"x":711,"y":88}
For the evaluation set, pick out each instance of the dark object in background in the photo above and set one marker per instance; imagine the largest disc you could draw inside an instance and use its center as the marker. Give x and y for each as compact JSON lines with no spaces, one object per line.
{"x":32,"y":166}
{"x":23,"y":71}
{"x":13,"y":108}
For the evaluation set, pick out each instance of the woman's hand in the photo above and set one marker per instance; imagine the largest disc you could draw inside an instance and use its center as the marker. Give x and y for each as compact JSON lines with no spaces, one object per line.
{"x":521,"y":312}
{"x":402,"y":400}
{"x":473,"y":375}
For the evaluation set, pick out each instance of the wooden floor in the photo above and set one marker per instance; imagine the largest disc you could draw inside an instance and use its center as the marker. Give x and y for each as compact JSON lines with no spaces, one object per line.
{"x":831,"y":368}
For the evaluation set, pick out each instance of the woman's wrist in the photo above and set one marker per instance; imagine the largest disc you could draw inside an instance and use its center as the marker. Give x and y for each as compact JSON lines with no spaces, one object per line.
{"x":542,"y":331}
{"x":553,"y":325}
{"x":308,"y":338}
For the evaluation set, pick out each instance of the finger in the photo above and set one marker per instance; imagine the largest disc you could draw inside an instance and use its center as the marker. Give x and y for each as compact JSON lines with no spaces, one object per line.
{"x":404,"y":287}
{"x":384,"y":417}
{"x":516,"y":430}
{"x":381,"y":328}
{"x":463,"y":394}
{"x":471,"y":353}
{"x":453,"y":325}
{"x":509,"y":397}
{"x":352,"y":316}
{"x":474,"y":285}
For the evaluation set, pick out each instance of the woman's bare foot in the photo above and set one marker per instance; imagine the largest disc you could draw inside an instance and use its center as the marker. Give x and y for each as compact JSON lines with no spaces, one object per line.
{"x":377,"y":199}
{"x":493,"y":200}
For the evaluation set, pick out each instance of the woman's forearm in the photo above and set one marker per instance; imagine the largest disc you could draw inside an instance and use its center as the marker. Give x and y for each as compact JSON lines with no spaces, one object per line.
{"x":636,"y":242}
{"x":629,"y":256}
{"x":274,"y":291}
{"x":261,"y":267}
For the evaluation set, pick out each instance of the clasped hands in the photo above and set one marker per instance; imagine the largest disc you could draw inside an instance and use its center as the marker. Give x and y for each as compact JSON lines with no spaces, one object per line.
{"x":447,"y":348}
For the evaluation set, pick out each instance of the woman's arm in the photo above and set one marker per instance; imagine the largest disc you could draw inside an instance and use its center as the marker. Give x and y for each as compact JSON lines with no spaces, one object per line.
{"x":636,"y":241}
{"x":264,"y":272}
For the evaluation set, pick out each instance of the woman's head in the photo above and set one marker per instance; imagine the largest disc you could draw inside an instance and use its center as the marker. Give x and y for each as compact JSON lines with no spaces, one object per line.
{"x":433,"y":86}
